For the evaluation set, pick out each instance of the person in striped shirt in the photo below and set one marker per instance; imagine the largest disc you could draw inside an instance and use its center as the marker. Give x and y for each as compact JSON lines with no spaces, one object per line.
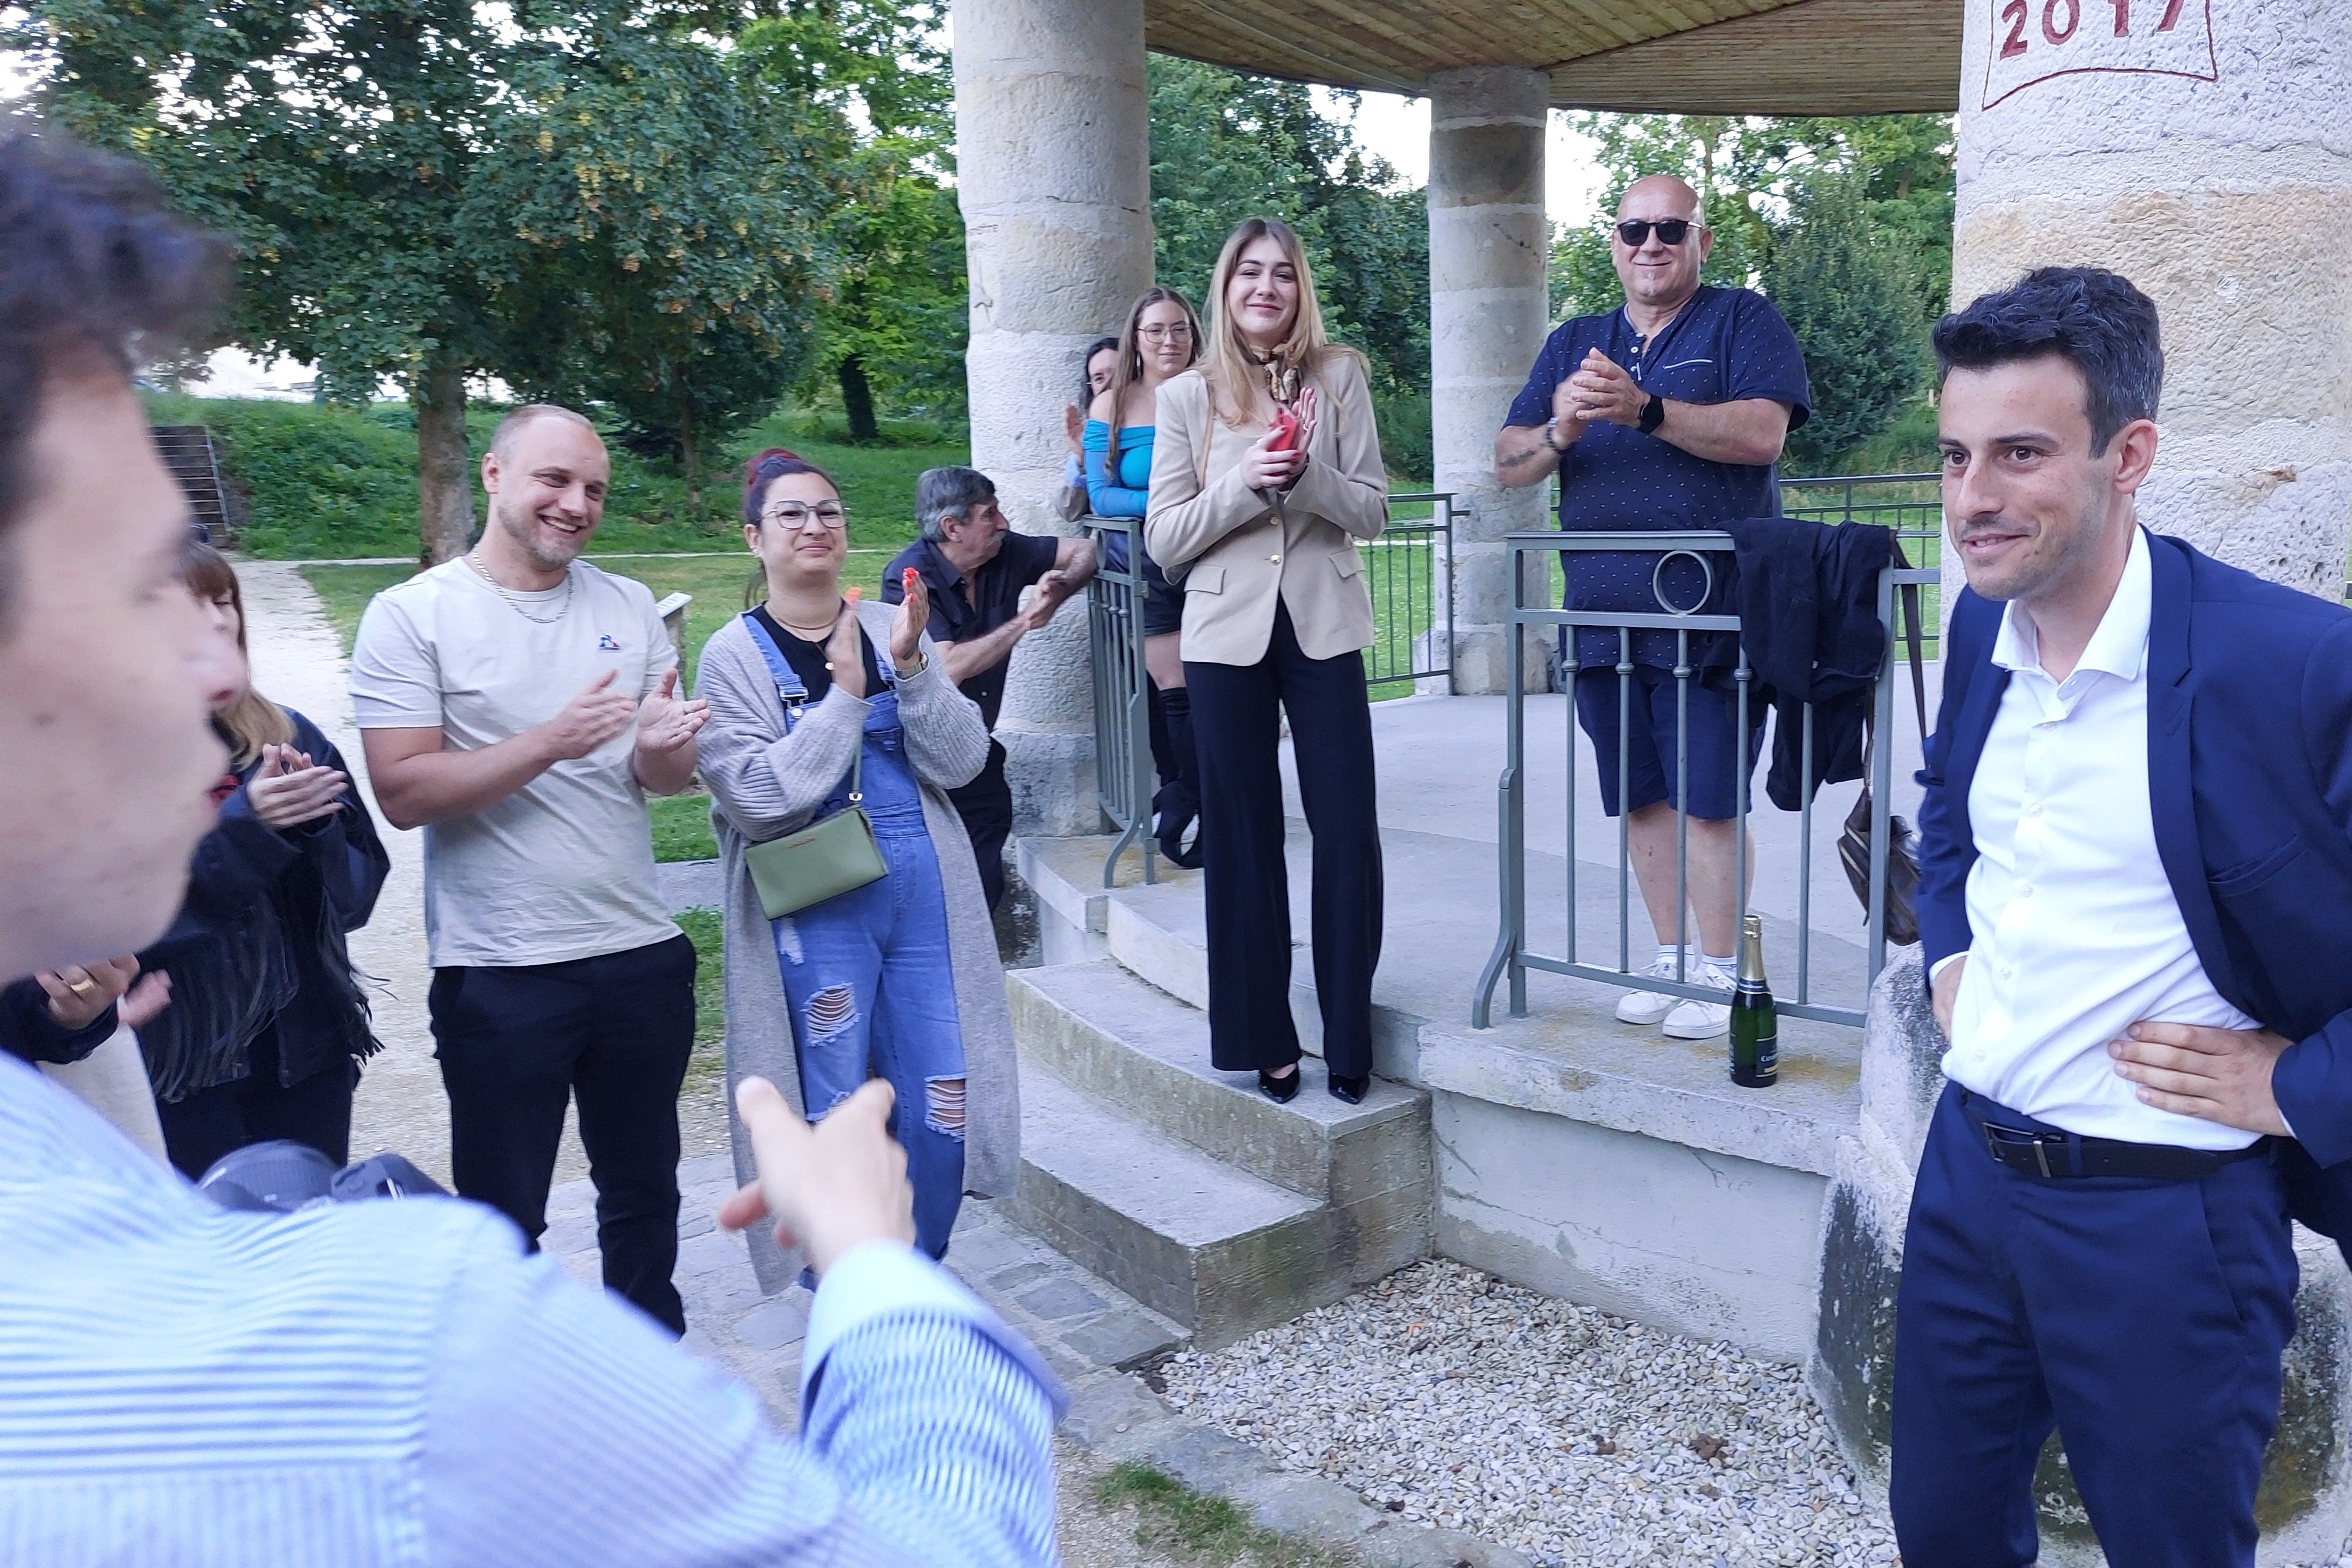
{"x":377,"y":1382}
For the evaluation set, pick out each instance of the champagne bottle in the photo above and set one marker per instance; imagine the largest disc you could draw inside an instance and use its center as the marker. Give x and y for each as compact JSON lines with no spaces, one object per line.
{"x":1755,"y":1021}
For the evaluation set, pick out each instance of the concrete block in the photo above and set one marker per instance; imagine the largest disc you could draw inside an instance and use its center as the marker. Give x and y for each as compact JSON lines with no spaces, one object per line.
{"x":1102,"y":1030}
{"x":1108,"y":1404}
{"x":1409,"y":1546}
{"x":1122,"y":1337}
{"x":1057,"y":1299}
{"x":1699,"y":1243}
{"x":1321,"y":1511}
{"x":1207,"y":1461}
{"x":1213,"y":1248}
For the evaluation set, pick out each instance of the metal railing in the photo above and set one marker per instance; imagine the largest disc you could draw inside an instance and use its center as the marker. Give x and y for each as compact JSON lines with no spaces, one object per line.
{"x":1409,"y":574}
{"x":1513,"y":957}
{"x":1121,"y":690}
{"x":1910,"y":504}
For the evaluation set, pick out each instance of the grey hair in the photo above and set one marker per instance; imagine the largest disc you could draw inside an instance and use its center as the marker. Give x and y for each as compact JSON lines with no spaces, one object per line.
{"x":944,"y":493}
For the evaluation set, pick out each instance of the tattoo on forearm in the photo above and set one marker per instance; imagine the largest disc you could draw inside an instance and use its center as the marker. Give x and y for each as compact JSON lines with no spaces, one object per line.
{"x":1526,"y":456}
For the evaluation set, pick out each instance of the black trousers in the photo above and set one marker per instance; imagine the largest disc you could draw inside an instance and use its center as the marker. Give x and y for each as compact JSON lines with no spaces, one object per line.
{"x":210,"y":1123}
{"x":986,"y":806}
{"x":612,"y":1033}
{"x":1236,"y":732}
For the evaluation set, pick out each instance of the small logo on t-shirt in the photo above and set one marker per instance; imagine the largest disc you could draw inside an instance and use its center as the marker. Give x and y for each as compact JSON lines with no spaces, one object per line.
{"x":604,"y":644}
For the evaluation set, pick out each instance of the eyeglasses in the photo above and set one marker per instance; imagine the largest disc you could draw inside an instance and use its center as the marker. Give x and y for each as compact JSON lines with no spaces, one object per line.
{"x":1176,"y":332}
{"x":792,"y":516}
{"x":1635,"y":232}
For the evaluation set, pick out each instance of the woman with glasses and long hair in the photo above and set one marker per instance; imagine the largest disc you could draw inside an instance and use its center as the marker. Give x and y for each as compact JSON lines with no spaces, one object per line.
{"x":1160,"y":341}
{"x":897,"y":979}
{"x":1265,"y":473}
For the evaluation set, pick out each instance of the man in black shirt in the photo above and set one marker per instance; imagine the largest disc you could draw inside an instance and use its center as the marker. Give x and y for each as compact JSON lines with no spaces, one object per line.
{"x":975,"y":567}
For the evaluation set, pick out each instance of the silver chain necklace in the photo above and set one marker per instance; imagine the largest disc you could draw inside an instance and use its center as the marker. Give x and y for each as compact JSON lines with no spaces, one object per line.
{"x":516,"y":604}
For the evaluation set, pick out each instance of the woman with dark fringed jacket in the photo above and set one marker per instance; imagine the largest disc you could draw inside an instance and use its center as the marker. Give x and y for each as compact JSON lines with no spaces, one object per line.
{"x":267,"y":1024}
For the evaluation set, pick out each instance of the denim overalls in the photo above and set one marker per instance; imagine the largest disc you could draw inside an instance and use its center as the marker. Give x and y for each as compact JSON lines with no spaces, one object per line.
{"x":867,"y":973}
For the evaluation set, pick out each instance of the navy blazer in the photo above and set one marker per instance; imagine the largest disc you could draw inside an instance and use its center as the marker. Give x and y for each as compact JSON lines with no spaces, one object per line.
{"x":2249,"y":784}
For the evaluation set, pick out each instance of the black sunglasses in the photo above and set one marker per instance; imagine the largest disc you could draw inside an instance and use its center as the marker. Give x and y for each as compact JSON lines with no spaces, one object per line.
{"x":1635,"y":232}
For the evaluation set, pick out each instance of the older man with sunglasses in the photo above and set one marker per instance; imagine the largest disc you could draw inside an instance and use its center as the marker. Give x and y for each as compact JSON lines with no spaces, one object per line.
{"x":1662,"y":415}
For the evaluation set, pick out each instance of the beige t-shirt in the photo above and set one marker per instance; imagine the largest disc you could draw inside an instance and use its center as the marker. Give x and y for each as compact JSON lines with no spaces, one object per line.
{"x":564,"y":868}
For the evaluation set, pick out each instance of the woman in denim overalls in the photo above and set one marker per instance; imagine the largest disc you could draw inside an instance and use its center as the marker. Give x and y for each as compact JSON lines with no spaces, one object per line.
{"x":868,"y":975}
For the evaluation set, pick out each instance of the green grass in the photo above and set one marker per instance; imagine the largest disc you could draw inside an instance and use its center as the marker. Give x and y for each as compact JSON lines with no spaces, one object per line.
{"x":708,"y":1065}
{"x":1203,"y":1530}
{"x":682,"y":827}
{"x":716,"y":582}
{"x":329,"y":483}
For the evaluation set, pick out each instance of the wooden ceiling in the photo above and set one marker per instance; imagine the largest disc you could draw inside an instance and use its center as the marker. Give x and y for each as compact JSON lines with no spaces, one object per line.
{"x":1693,"y":56}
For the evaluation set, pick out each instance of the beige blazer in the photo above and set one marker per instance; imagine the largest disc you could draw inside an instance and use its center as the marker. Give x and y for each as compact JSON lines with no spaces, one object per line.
{"x":1236,"y":551}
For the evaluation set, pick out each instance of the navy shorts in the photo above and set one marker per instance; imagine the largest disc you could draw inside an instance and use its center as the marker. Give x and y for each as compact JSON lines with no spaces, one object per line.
{"x":1650,"y":752}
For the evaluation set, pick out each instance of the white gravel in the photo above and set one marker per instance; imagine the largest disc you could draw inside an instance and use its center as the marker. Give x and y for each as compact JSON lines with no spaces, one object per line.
{"x":1457,"y":1399}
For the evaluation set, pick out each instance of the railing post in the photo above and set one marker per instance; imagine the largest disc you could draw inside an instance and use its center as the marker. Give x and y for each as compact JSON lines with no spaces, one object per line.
{"x":1510,"y":829}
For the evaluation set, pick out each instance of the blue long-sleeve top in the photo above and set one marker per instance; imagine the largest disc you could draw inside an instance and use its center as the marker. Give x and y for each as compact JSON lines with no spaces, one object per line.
{"x":1119,"y":491}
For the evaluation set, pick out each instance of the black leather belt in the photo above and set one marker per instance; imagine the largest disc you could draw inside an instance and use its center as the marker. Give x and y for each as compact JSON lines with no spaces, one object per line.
{"x":2057,"y":1156}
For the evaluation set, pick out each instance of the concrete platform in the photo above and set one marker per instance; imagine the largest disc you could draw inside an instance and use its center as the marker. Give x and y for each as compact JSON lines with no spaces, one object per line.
{"x":1595,"y":1159}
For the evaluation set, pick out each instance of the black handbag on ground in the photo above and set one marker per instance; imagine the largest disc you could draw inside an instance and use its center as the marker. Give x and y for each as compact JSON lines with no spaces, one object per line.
{"x":1853,"y":840}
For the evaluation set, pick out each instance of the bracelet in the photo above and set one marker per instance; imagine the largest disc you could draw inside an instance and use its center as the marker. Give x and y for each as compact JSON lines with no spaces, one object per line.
{"x":921,"y":663}
{"x":1550,"y":426}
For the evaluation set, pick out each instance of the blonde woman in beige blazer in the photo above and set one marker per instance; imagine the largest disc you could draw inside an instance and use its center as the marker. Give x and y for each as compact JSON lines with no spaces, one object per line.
{"x":1263,"y":543}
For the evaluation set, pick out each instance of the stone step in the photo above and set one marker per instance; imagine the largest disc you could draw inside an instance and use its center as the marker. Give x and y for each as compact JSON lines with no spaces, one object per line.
{"x":1222,"y":1252}
{"x":1108,"y":1034}
{"x":1161,"y":934}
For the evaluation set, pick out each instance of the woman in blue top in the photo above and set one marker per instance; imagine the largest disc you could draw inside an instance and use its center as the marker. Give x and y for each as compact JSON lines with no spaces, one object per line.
{"x":1159,"y":342}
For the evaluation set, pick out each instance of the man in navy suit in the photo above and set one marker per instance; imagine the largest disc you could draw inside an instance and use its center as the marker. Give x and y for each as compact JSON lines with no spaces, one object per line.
{"x":2136,"y":903}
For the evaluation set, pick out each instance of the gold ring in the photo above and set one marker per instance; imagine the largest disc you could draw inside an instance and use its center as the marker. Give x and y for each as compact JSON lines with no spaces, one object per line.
{"x":83,"y":986}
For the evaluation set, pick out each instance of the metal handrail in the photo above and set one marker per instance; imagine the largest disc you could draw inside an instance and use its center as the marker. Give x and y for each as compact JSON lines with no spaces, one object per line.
{"x":1114,"y":632}
{"x":1121,"y":700}
{"x":1512,"y":958}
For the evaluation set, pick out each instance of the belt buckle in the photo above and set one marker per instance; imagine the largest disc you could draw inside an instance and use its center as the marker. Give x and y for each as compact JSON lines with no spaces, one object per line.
{"x":1993,"y":1145}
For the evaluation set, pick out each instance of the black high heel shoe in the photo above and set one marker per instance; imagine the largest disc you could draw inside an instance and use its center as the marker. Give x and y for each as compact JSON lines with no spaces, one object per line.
{"x":1281,"y":1090}
{"x":1350,"y":1090}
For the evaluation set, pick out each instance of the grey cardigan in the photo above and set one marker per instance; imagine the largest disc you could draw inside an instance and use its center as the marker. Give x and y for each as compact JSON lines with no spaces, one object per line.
{"x":765,"y":783}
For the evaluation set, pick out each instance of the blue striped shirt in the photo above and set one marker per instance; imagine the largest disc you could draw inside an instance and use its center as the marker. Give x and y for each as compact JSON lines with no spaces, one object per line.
{"x":396,"y":1383}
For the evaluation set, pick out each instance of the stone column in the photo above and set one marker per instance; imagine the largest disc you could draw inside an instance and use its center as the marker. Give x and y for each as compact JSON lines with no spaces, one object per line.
{"x":2204,"y":153}
{"x":1054,"y":175}
{"x":1488,"y":311}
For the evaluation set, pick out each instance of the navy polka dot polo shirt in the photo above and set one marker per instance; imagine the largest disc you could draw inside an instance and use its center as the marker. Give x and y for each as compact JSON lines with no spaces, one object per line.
{"x":1727,"y":345}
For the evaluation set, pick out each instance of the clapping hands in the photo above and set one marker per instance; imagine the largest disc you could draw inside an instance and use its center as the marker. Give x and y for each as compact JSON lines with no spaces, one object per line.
{"x":288,"y":789}
{"x":665,"y":724}
{"x":1264,"y":468}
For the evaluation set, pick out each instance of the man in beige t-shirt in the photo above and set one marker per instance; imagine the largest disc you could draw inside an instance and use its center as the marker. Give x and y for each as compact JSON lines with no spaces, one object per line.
{"x":519,"y":704}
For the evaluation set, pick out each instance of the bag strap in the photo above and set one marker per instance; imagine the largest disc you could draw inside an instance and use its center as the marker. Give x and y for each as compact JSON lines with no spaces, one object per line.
{"x":1912,"y":636}
{"x":793,"y":693}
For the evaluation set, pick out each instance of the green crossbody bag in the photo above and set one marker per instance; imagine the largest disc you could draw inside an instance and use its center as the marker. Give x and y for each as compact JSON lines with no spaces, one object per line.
{"x":825,"y":859}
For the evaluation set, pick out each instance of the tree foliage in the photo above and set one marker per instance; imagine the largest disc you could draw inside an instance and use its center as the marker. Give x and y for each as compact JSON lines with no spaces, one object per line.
{"x":1848,"y":294}
{"x":1226,"y":146}
{"x":892,"y":326}
{"x":652,"y":219}
{"x":421,"y":187}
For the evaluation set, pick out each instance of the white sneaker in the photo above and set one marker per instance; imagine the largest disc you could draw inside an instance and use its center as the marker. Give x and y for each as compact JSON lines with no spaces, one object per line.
{"x":1700,"y":1020}
{"x":1648,"y":1007}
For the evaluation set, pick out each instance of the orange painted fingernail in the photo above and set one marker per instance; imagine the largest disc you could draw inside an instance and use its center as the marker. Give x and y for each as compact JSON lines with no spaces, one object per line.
{"x":855,"y":595}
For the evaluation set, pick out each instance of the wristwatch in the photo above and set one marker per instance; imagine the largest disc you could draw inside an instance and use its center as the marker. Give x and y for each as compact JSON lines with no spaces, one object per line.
{"x":1654,"y":414}
{"x":1550,"y":426}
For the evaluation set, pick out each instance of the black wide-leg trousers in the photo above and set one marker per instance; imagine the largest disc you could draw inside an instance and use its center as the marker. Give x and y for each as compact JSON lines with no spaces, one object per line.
{"x":1237,"y":730}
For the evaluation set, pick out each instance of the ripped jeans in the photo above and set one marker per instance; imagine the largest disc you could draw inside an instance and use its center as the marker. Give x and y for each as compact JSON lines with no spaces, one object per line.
{"x":871,"y":984}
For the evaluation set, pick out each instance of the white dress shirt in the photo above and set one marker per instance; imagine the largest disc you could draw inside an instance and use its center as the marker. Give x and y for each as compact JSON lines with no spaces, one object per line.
{"x":2077,"y":936}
